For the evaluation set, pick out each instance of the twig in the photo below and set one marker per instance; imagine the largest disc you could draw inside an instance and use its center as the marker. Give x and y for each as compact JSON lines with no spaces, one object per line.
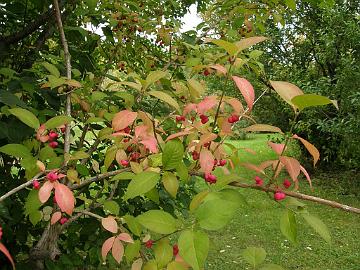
{"x":301,"y":196}
{"x":67,"y":57}
{"x":22,"y":186}
{"x":99,"y":177}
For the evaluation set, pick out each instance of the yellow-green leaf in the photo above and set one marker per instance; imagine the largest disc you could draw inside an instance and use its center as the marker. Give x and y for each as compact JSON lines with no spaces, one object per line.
{"x":166,"y":98}
{"x":26,"y":117}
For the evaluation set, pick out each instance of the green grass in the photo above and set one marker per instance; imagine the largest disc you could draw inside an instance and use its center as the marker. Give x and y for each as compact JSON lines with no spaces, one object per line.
{"x":257,"y":224}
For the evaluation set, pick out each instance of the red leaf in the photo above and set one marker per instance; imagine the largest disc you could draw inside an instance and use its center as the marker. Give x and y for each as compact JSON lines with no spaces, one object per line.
{"x":55,"y":217}
{"x":219,"y":68}
{"x":137,"y":264}
{"x":45,"y":191}
{"x":306,"y":175}
{"x":117,"y":250}
{"x":246,"y":90}
{"x":207,"y":104}
{"x":4,"y":250}
{"x":125,"y":237}
{"x":109,"y":223}
{"x":206,"y":161}
{"x":123,"y":119}
{"x":107,"y":246}
{"x":236,"y":104}
{"x":179,"y":134}
{"x":277,"y":147}
{"x":311,"y":149}
{"x":292,"y":166}
{"x":64,"y":198}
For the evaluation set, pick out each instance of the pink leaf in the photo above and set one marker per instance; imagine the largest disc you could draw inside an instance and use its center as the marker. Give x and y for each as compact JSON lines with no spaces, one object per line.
{"x":40,"y":165}
{"x":225,"y":127}
{"x":115,"y":134}
{"x":117,"y":250}
{"x":277,"y":147}
{"x":236,"y":104}
{"x":55,"y":217}
{"x":207,"y":104}
{"x":206,"y":161}
{"x":40,"y":134}
{"x":45,"y":191}
{"x":306,"y":175}
{"x":267,"y":163}
{"x":311,"y":148}
{"x":64,"y":198}
{"x":109,"y":224}
{"x":219,"y":68}
{"x":188,"y":108}
{"x":150,"y":143}
{"x":123,"y":119}
{"x":292,"y":166}
{"x":252,"y":167}
{"x":205,"y":138}
{"x":107,"y":246}
{"x":125,"y":237}
{"x":137,"y":264}
{"x":246,"y":90}
{"x":141,"y":131}
{"x":4,"y":250}
{"x":179,"y":134}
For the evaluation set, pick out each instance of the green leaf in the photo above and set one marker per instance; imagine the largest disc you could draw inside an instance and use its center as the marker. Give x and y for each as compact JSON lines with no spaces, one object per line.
{"x":318,"y":226}
{"x":229,"y":47}
{"x":254,"y":256}
{"x":132,"y":250}
{"x":52,"y":69}
{"x":141,"y":183}
{"x":26,"y":117}
{"x":112,"y":207}
{"x":35,"y":217}
{"x":16,"y":150}
{"x":176,"y":266}
{"x":32,"y":202}
{"x":310,"y":100}
{"x":58,"y":121}
{"x":194,"y":247}
{"x":288,"y":226}
{"x":166,"y":98}
{"x":291,"y":4}
{"x":163,"y":252}
{"x":271,"y":267}
{"x":158,"y":221}
{"x":123,"y":176}
{"x":218,"y":209}
{"x":172,"y":154}
{"x":150,"y":265}
{"x":182,"y":172}
{"x":170,"y":183}
{"x":133,"y":224}
{"x":153,"y":77}
{"x":196,"y":89}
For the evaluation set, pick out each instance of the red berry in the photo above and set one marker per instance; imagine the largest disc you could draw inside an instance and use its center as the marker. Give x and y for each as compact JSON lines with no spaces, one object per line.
{"x":63,"y":220}
{"x":53,"y":144}
{"x":207,"y":144}
{"x":127,"y":130}
{"x":286,"y":183}
{"x":175,"y":250}
{"x":36,"y":184}
{"x":149,"y":243}
{"x":195,"y":155}
{"x":180,"y":118}
{"x":126,"y":140}
{"x":62,"y":129}
{"x":222,"y":162}
{"x":124,"y":163}
{"x":259,"y":181}
{"x":129,"y":149}
{"x":135,"y":156}
{"x":52,"y":176}
{"x":204,"y":119}
{"x":215,"y":162}
{"x":233,"y":119}
{"x":206,"y":72}
{"x":278,"y":196}
{"x":1,"y":233}
{"x":210,"y":178}
{"x":53,"y":136}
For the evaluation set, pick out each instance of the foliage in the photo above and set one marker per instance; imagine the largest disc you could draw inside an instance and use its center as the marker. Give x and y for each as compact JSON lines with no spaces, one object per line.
{"x":117,"y":132}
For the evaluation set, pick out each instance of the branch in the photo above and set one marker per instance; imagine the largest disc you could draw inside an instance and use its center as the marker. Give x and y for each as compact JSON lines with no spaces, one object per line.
{"x":301,"y":197}
{"x":99,"y":177}
{"x":18,"y":188}
{"x":67,"y":57}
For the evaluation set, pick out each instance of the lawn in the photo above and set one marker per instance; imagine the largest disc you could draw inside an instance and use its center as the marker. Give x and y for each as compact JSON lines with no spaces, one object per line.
{"x":257,"y":224}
